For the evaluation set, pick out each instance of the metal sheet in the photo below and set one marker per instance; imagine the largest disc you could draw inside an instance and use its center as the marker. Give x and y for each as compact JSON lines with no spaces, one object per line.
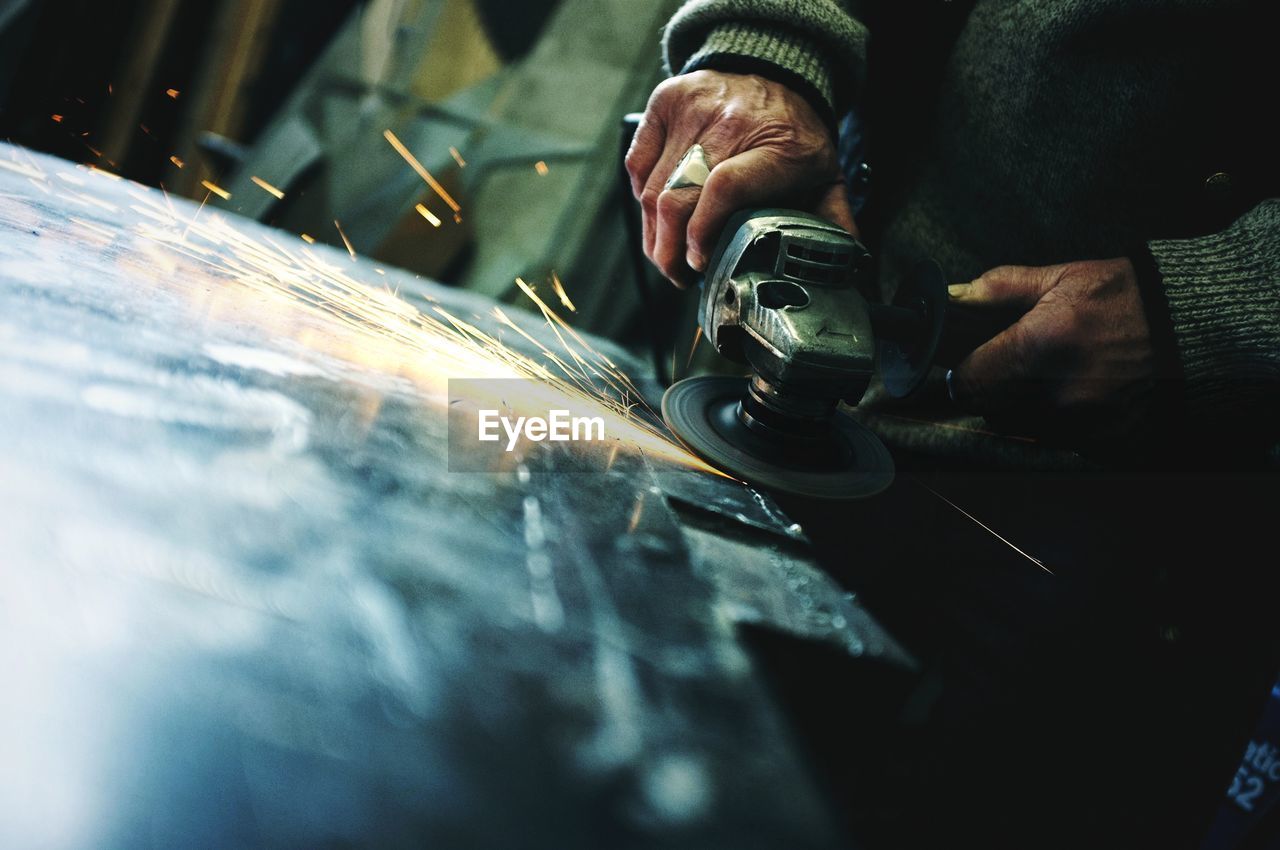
{"x":246,"y":604}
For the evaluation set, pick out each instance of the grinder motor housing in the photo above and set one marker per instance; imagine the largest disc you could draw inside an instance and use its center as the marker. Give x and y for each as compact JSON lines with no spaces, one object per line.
{"x":782,"y":296}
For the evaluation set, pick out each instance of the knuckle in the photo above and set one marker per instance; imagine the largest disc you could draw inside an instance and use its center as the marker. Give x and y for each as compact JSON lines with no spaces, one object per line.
{"x":632,"y":159}
{"x":734,"y":121}
{"x":719,"y":181}
{"x":665,"y":90}
{"x":649,"y":200}
{"x":989,"y":281}
{"x":670,"y":207}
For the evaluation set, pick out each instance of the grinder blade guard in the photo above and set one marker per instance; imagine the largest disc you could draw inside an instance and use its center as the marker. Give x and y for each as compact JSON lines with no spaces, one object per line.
{"x":781,"y":296}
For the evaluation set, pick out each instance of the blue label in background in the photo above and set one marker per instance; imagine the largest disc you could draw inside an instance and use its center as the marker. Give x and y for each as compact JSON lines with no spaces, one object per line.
{"x":1255,"y":787}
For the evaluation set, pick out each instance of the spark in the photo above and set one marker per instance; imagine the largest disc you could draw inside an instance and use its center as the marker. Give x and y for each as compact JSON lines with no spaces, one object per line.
{"x":216,"y":189}
{"x":267,"y":187}
{"x":173,"y":93}
{"x":345,"y":240}
{"x":989,"y":529}
{"x":636,"y":513}
{"x":174,"y":159}
{"x":697,"y":338}
{"x":541,"y":167}
{"x":97,"y":202}
{"x":199,"y":209}
{"x":101,"y":231}
{"x":302,"y":293}
{"x":422,"y":171}
{"x":34,"y":173}
{"x":167,"y":202}
{"x":609,"y":372}
{"x":561,"y":294}
{"x":56,"y":118}
{"x":98,"y":170}
{"x":457,"y":157}
{"x":308,"y":238}
{"x":427,"y":214}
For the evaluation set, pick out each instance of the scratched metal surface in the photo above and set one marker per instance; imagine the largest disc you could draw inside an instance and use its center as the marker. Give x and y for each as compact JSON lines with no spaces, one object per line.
{"x":245,"y":605}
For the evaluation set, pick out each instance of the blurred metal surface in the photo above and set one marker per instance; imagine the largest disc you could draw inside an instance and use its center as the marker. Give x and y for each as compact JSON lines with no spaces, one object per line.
{"x":246,"y":605}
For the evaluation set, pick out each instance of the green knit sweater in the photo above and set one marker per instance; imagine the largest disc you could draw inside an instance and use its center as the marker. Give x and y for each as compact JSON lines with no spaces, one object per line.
{"x":1044,"y":131}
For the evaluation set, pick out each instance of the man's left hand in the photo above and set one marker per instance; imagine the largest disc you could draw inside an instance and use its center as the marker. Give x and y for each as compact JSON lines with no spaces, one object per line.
{"x":1079,"y":358}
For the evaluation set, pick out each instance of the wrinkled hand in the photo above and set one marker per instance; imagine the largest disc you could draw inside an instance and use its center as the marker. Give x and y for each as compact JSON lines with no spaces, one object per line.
{"x":1080,"y":357}
{"x":765,"y":145}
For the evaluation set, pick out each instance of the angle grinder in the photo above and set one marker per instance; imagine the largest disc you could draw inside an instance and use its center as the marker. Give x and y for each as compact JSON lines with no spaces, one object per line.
{"x":782,"y":296}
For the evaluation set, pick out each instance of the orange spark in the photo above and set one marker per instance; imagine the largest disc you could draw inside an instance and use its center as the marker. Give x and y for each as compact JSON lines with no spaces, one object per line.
{"x":216,"y":189}
{"x":308,"y":238}
{"x":428,"y":215}
{"x":541,"y":167}
{"x":636,"y":513}
{"x":267,"y":187}
{"x":422,"y":171}
{"x":173,"y":93}
{"x":176,"y":161}
{"x":457,"y":157}
{"x":697,"y":338}
{"x":345,"y":240}
{"x":56,"y":117}
{"x":561,"y":294}
{"x":95,"y":169}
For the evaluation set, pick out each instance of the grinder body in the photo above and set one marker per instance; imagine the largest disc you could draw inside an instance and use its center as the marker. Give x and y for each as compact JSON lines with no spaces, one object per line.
{"x":783,"y":295}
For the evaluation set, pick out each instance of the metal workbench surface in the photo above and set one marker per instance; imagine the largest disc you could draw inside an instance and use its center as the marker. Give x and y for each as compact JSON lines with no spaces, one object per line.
{"x":246,"y":604}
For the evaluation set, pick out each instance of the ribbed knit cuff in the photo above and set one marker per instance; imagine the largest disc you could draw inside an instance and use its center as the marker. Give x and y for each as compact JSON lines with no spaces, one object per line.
{"x":1223,"y":294}
{"x":778,"y":54}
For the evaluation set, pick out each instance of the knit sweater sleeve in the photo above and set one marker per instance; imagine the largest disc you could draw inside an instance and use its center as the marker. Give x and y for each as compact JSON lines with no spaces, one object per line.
{"x":1223,"y":294}
{"x":816,"y":44}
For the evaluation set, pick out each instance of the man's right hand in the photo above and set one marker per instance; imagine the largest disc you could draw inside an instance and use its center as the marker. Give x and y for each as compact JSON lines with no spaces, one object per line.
{"x":765,"y":144}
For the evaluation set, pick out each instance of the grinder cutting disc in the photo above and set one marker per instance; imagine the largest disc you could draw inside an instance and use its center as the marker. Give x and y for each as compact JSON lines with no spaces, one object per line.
{"x":849,"y":462}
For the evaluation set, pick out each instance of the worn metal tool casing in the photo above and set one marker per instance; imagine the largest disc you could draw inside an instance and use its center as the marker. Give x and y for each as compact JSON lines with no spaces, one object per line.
{"x":782,"y":298}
